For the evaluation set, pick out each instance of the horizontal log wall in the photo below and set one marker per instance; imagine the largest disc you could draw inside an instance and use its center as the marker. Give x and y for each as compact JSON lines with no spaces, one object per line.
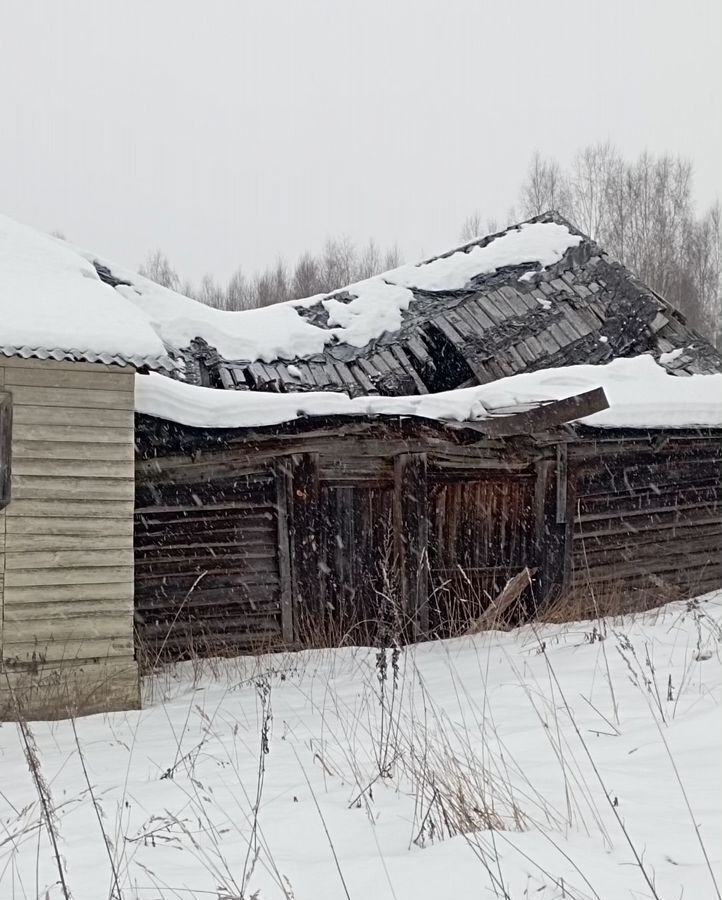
{"x":322,"y":538}
{"x":327,"y":535}
{"x":647,"y":514}
{"x":66,"y":540}
{"x":207,"y":577}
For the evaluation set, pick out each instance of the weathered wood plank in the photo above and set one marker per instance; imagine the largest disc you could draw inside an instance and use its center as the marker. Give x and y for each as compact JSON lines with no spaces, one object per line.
{"x":67,"y":650}
{"x":41,"y":431}
{"x":72,"y":398}
{"x":84,"y":418}
{"x":91,"y":591}
{"x":91,"y":540}
{"x":82,"y":469}
{"x":60,"y":525}
{"x":103,"y":378}
{"x":56,"y":627}
{"x":59,"y":487}
{"x":81,"y":575}
{"x":56,"y":560}
{"x":50,"y":608}
{"x":101,"y":509}
{"x":100,"y":452}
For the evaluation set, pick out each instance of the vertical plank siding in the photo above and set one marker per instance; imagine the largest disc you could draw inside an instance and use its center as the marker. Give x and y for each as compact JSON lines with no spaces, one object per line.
{"x":66,"y":552}
{"x":482,"y":532}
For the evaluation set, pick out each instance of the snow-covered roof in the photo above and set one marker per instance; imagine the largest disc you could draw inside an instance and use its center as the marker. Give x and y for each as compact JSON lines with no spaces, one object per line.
{"x":641,"y":394}
{"x":354,"y":316}
{"x":537,"y":295}
{"x":62,"y":301}
{"x":54,"y":305}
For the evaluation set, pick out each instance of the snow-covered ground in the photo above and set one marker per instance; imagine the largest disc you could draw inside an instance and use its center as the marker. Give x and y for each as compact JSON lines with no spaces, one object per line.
{"x":561,"y":761}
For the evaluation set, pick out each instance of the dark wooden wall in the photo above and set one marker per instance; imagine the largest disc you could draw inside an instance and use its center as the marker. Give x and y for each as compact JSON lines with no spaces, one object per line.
{"x":647,"y":513}
{"x":333,"y":535}
{"x":327,"y":537}
{"x":207,"y":575}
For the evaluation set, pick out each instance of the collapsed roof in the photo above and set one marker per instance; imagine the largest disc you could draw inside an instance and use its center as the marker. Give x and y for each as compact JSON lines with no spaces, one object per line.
{"x":538,"y":295}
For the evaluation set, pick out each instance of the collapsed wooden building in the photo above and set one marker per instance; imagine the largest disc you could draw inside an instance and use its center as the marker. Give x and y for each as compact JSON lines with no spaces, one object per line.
{"x":388,"y":456}
{"x":321,"y":527}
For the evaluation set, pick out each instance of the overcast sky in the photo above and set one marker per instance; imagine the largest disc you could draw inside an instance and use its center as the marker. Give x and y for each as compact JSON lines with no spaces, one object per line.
{"x":232,"y":131}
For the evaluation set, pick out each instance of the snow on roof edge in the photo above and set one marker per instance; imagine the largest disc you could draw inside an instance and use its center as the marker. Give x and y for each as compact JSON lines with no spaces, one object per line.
{"x":641,"y":394}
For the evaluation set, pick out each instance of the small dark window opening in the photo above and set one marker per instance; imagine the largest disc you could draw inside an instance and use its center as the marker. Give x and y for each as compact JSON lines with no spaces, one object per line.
{"x":449,"y":369}
{"x":6,"y":431}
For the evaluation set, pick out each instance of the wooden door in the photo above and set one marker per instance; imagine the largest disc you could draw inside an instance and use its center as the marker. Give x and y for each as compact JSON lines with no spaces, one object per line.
{"x":481,"y":533}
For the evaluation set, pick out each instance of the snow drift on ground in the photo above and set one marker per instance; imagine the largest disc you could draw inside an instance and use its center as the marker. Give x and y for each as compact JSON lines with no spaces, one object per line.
{"x":51,"y":297}
{"x":569,"y":761}
{"x":640,"y":393}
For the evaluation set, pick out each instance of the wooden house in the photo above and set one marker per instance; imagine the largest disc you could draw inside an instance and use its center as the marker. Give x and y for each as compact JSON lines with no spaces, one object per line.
{"x":316,"y":527}
{"x":67,"y":376}
{"x":385,"y":459}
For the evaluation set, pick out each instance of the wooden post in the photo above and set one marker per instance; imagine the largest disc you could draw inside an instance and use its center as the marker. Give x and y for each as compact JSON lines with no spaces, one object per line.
{"x":284,"y":522}
{"x":553,"y":526}
{"x":304,"y":539}
{"x":412,"y":533}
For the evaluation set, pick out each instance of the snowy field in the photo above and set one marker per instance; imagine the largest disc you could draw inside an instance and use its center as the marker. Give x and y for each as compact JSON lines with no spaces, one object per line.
{"x":566,"y":761}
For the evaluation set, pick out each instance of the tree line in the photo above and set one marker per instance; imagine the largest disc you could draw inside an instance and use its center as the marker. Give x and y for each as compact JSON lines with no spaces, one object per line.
{"x":339,"y":263}
{"x":640,"y":211}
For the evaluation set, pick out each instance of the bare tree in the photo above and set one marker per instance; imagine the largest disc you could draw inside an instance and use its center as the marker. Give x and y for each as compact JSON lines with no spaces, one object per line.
{"x":238,"y":292}
{"x":306,"y":279}
{"x":471,"y":227}
{"x":368,"y":263}
{"x":391,"y":258}
{"x":545,"y":187}
{"x":587,"y":185}
{"x":157,"y":267}
{"x":211,"y":293}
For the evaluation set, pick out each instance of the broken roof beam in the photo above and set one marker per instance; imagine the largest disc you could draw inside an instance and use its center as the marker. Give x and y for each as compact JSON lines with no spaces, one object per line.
{"x":542,"y":417}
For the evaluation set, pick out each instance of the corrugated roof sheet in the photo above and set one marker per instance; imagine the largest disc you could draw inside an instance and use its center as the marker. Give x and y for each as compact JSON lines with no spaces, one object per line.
{"x":138,"y":362}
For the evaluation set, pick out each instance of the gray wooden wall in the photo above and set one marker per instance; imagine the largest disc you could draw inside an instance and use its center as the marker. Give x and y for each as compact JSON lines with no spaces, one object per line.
{"x":66,"y":539}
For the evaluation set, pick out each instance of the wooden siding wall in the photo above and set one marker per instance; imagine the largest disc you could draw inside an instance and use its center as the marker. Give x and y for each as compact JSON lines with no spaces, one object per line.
{"x":66,"y":542}
{"x":326,"y":539}
{"x":483,"y":531}
{"x":207,"y":564}
{"x":647,"y":514}
{"x":327,"y":536}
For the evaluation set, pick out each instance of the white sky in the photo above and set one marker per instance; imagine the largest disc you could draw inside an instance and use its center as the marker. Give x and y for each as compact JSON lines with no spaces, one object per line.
{"x":229,"y":131}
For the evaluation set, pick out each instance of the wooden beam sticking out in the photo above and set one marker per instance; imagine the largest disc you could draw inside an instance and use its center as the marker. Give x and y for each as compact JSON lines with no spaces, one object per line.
{"x":542,"y":417}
